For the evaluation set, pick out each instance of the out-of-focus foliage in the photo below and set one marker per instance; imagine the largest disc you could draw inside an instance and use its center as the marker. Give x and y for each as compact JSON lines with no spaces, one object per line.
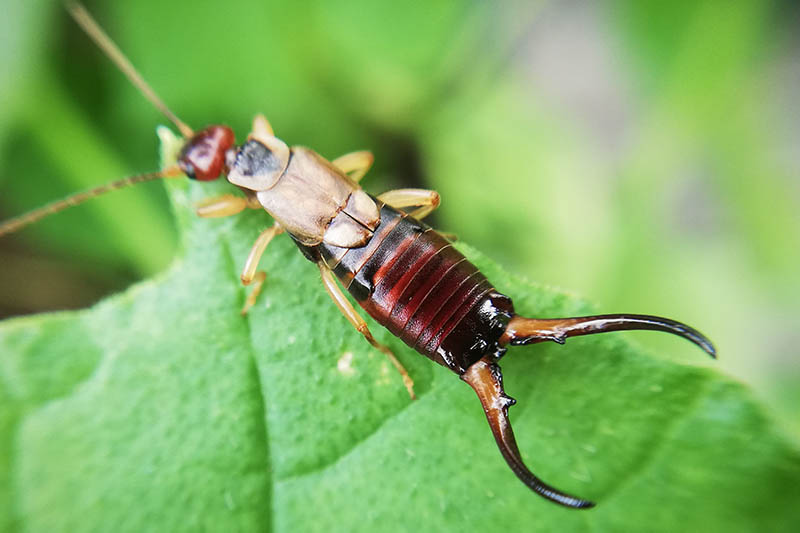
{"x":643,"y":154}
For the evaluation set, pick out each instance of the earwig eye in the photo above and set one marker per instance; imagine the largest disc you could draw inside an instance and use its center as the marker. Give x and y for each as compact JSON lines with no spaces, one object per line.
{"x":203,"y":157}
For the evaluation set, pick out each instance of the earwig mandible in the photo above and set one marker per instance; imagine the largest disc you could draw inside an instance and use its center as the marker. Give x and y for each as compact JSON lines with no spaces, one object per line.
{"x":407,"y":276}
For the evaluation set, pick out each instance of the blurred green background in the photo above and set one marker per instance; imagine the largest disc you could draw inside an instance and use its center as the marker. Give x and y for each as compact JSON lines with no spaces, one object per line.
{"x":643,"y":154}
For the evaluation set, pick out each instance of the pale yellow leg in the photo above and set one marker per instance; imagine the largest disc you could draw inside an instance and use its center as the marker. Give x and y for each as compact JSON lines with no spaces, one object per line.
{"x":425,"y":199}
{"x":226,"y":205}
{"x":250,"y":274}
{"x":355,"y":319}
{"x":355,"y":164}
{"x":261,"y":126}
{"x":221,"y":206}
{"x":252,"y":200}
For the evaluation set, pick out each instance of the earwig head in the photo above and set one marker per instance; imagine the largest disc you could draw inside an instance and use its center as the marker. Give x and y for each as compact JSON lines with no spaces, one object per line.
{"x":203,"y":156}
{"x":259,"y":162}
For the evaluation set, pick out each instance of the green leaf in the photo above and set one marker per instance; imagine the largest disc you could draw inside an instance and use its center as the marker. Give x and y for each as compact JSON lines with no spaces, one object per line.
{"x":163,"y":409}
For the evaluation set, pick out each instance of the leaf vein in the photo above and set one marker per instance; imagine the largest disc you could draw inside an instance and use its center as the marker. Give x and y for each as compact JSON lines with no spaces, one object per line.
{"x":262,"y":402}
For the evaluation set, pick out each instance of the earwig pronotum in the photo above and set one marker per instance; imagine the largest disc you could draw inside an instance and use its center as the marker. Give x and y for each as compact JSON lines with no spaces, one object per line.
{"x":407,"y":276}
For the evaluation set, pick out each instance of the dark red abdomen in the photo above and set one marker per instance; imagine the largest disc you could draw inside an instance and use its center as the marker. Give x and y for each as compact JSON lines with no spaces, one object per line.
{"x":411,"y":279}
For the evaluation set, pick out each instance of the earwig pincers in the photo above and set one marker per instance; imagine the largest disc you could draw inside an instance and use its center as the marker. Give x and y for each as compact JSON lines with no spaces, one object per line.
{"x":403,"y":273}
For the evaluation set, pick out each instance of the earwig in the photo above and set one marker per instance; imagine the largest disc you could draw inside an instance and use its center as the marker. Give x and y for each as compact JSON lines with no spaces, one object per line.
{"x":403,"y":273}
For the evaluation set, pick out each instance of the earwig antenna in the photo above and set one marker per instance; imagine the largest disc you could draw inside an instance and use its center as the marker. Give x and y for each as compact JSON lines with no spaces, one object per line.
{"x":17,"y":223}
{"x":93,"y":29}
{"x":90,"y":26}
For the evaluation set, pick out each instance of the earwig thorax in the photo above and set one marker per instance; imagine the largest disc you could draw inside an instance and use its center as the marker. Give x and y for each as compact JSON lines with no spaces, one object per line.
{"x":257,"y":167}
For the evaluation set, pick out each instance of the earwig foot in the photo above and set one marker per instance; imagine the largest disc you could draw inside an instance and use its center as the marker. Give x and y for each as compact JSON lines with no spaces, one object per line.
{"x":261,"y":126}
{"x":258,"y":282}
{"x":485,"y":378}
{"x":407,"y":381}
{"x":355,"y":319}
{"x":409,"y":384}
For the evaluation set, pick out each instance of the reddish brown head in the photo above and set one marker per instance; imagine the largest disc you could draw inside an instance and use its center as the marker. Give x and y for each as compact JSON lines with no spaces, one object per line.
{"x":203,"y":156}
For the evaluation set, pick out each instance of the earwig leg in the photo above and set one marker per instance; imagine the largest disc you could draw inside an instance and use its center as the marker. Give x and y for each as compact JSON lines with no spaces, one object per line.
{"x":221,"y":206}
{"x":485,"y":378}
{"x":355,"y":319}
{"x":252,"y":200}
{"x":226,"y":205}
{"x":249,"y":273}
{"x":522,"y":330}
{"x":425,"y":199}
{"x":261,"y":126}
{"x":354,"y":164}
{"x":258,"y":282}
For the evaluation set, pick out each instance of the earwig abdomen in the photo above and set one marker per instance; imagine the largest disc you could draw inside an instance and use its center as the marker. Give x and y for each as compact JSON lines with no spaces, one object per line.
{"x":412,"y":281}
